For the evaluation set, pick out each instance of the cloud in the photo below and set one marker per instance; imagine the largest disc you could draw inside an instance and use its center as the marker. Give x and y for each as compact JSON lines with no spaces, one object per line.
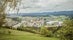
{"x":30,"y":6}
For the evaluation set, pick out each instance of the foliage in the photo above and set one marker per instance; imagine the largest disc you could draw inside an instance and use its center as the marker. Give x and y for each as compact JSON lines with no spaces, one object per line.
{"x":39,"y":30}
{"x":4,"y":31}
{"x":66,"y":32}
{"x":28,"y":29}
{"x":3,"y":5}
{"x":46,"y":32}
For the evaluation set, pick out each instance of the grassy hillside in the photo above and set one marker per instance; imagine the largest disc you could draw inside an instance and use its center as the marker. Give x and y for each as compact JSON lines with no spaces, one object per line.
{"x":20,"y":35}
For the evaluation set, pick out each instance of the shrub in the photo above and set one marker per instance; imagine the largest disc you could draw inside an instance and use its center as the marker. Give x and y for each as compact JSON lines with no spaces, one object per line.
{"x":28,"y":29}
{"x":44,"y":31}
{"x":3,"y":31}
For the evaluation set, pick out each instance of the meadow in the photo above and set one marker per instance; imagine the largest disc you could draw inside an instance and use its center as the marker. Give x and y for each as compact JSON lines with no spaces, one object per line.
{"x":21,"y":35}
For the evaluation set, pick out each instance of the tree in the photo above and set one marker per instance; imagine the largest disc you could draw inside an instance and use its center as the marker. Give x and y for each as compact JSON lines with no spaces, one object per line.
{"x":66,"y":32}
{"x":45,"y":32}
{"x":3,"y":5}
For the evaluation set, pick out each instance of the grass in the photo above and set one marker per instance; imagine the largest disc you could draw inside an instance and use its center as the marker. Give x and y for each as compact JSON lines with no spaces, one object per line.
{"x":20,"y":35}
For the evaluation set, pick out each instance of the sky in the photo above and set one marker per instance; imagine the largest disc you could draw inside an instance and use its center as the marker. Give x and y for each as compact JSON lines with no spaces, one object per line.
{"x":33,"y":6}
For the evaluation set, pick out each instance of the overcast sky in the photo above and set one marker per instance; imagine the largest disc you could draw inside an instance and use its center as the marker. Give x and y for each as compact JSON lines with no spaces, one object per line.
{"x":33,"y":6}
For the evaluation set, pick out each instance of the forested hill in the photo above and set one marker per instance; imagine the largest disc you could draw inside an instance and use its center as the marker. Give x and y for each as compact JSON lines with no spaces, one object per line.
{"x":66,"y":13}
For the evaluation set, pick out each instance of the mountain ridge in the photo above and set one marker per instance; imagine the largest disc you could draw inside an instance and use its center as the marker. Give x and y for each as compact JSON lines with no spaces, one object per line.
{"x":66,"y":13}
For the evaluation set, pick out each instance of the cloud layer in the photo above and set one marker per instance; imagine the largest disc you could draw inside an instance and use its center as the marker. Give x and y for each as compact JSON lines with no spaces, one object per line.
{"x":30,"y":6}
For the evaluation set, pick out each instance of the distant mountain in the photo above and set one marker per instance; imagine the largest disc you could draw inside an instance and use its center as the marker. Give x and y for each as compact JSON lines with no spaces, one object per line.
{"x":66,"y":13}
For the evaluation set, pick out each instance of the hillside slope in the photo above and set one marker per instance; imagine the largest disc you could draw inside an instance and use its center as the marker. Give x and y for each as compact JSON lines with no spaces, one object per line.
{"x":20,"y":35}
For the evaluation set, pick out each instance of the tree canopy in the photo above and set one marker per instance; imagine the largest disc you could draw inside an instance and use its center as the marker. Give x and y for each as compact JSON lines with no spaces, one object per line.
{"x":3,"y":5}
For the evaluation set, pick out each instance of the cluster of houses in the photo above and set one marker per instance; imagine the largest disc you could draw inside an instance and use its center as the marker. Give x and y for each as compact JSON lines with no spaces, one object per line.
{"x":33,"y":22}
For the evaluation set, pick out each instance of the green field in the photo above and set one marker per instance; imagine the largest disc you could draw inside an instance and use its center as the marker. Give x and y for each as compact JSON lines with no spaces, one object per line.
{"x":20,"y":35}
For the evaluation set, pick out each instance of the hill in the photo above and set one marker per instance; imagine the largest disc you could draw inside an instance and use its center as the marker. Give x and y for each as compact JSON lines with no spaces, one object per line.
{"x":66,"y":13}
{"x":20,"y":35}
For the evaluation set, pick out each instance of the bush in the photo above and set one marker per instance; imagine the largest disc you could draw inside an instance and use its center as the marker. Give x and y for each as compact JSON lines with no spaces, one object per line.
{"x":44,"y":31}
{"x":2,"y":31}
{"x":28,"y":29}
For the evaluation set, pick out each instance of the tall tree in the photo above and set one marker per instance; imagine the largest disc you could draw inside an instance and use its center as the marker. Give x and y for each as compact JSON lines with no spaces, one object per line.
{"x":3,"y":5}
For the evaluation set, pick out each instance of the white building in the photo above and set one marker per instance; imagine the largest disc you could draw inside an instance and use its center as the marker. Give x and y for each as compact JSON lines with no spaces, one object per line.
{"x":54,"y":23}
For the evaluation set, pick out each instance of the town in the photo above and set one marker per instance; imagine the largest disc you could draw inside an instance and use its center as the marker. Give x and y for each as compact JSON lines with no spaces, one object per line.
{"x":52,"y":21}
